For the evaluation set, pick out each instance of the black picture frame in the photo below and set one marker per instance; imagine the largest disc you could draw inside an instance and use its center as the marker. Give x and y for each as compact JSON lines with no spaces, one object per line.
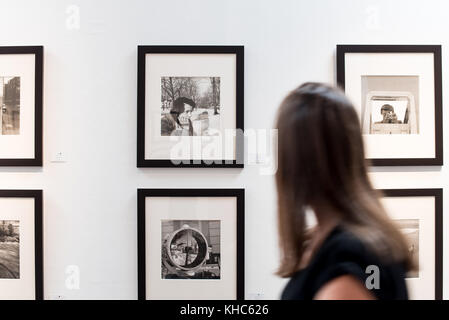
{"x":142,"y":194}
{"x":437,"y":160}
{"x":143,"y":50}
{"x":38,"y":52}
{"x":438,"y":195}
{"x":38,"y":234}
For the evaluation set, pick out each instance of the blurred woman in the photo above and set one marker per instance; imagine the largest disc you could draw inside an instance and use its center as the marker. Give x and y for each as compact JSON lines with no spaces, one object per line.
{"x":354,"y":251}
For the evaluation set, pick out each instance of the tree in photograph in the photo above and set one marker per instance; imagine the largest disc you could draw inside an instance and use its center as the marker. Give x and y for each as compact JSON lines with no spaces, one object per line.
{"x":190,"y":87}
{"x":176,"y":87}
{"x":169,"y":89}
{"x":3,"y":229}
{"x":215,"y":85}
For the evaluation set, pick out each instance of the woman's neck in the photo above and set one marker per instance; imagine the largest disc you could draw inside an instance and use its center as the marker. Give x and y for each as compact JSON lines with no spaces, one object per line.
{"x":327,"y":218}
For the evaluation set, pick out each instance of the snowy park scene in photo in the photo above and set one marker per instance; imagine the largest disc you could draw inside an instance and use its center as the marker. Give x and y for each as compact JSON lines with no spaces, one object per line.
{"x":190,"y":106}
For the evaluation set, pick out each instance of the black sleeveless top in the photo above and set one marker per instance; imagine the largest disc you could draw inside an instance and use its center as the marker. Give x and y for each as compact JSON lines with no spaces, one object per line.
{"x":342,"y":253}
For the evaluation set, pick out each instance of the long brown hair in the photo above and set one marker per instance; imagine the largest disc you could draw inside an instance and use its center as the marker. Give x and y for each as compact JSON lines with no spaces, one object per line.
{"x":321,"y":162}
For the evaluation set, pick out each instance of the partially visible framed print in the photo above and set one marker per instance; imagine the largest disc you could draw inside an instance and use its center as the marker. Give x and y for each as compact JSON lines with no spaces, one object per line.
{"x":21,"y":106}
{"x":190,"y":106}
{"x":191,"y":244}
{"x":396,"y":90}
{"x":419,"y":215}
{"x":21,"y":258}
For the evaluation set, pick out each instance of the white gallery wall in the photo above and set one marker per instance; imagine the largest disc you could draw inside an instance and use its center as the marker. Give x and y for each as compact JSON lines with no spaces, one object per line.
{"x":90,"y":86}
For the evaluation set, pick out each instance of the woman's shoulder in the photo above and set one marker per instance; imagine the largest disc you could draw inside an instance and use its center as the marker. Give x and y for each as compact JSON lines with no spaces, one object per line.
{"x":343,"y":253}
{"x":168,"y":124}
{"x":342,"y":245}
{"x":342,"y":240}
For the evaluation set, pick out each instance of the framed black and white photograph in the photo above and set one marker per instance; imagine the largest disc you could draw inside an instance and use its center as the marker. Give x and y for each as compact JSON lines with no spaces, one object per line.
{"x":190,"y":249}
{"x":191,"y":244}
{"x":419,"y":215}
{"x":397,"y":93}
{"x":21,"y":78}
{"x":190,"y":106}
{"x":21,"y":273}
